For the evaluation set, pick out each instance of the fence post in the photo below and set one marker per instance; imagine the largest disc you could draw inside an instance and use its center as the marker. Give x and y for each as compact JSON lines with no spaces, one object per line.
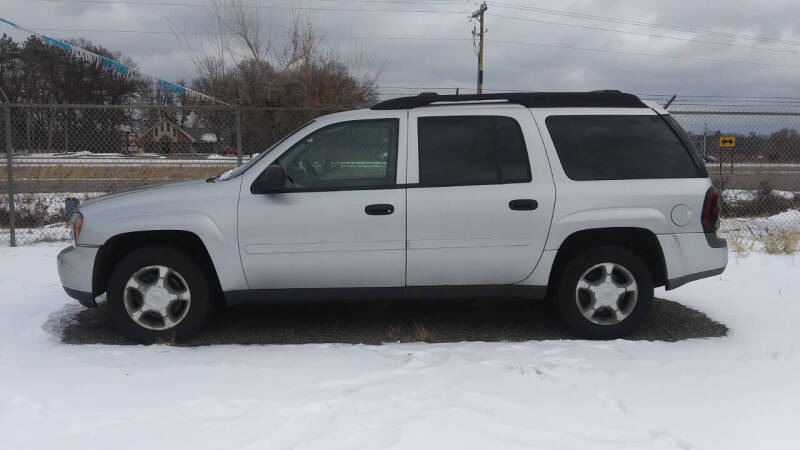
{"x":12,"y":238}
{"x":238,"y":137}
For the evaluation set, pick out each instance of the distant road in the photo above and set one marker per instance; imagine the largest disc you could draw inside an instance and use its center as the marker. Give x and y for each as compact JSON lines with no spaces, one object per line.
{"x":38,"y":161}
{"x":745,"y":176}
{"x":98,"y":185}
{"x":754,"y":176}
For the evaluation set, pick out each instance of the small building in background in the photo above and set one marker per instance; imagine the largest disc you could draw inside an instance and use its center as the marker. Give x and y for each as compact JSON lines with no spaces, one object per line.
{"x":165,"y":137}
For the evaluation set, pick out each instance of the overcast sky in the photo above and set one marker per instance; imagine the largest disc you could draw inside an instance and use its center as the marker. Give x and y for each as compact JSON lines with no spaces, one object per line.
{"x":523,"y":51}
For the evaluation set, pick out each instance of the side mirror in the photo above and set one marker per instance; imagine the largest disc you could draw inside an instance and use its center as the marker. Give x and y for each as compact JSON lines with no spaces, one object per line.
{"x":272,"y":179}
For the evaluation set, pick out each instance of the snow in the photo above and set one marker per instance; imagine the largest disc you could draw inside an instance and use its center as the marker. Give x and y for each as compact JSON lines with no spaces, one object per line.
{"x":740,"y":195}
{"x":735,"y":392}
{"x":195,"y":160}
{"x":760,"y":226}
{"x":49,"y":233}
{"x":80,"y":154}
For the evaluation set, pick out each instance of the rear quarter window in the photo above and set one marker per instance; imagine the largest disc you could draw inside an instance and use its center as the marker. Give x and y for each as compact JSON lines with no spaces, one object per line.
{"x":620,"y":148}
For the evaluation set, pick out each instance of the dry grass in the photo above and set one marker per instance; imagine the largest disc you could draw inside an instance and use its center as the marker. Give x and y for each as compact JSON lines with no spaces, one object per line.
{"x":739,"y":246}
{"x":120,"y":172}
{"x":416,"y":332}
{"x":781,"y":242}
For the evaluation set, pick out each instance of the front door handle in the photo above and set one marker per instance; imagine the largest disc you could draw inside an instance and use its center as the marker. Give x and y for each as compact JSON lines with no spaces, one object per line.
{"x":523,"y":204}
{"x":380,"y":209}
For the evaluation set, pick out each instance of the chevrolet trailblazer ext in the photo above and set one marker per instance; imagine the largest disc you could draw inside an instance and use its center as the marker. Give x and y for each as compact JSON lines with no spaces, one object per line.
{"x":589,"y":199}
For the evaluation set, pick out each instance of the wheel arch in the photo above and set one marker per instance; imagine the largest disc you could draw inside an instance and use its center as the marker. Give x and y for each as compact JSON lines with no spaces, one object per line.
{"x":120,"y":245}
{"x":640,"y":241}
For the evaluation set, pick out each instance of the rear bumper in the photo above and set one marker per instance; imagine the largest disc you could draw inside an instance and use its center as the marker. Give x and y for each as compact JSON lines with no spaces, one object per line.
{"x":680,"y":281}
{"x":75,"y":266}
{"x":691,"y":256}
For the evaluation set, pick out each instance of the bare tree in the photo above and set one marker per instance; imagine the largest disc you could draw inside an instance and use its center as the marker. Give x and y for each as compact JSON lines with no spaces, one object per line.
{"x":243,"y":65}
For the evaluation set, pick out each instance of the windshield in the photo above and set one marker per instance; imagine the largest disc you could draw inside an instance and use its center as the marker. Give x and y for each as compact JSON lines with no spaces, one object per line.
{"x":238,"y":170}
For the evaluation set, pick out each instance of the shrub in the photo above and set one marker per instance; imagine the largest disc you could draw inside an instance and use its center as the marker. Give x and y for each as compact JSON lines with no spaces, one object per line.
{"x":30,"y":211}
{"x":764,"y":203}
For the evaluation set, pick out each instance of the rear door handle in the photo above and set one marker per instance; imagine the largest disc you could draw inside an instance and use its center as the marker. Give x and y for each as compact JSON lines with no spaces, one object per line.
{"x":380,"y":209}
{"x":523,"y":204}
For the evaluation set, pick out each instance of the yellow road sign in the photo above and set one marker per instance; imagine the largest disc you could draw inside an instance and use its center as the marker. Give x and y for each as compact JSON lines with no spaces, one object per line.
{"x":727,"y":141}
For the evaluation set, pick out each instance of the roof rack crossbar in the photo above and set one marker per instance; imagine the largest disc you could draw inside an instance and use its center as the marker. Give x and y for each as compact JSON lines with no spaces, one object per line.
{"x":598,"y":99}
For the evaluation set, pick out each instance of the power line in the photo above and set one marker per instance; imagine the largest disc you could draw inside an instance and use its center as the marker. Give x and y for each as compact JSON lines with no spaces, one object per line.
{"x":681,"y":98}
{"x":635,"y":33}
{"x":743,"y":97}
{"x":293,"y":8}
{"x":102,"y":30}
{"x":499,"y":4}
{"x":639,"y":23}
{"x":416,"y":38}
{"x":740,"y":102}
{"x":173,"y":3}
{"x":629,"y":52}
{"x":504,"y":5}
{"x":765,"y":105}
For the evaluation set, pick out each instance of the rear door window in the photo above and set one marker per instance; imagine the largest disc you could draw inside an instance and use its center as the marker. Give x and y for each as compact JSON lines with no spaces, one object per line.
{"x":470,"y":150}
{"x":620,"y":148}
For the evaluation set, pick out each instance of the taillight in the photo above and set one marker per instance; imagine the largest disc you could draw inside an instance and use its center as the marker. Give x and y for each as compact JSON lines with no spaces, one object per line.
{"x":712,"y":210}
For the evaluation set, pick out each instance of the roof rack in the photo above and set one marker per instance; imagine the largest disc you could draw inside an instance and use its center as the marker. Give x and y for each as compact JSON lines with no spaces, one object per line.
{"x":596,"y":99}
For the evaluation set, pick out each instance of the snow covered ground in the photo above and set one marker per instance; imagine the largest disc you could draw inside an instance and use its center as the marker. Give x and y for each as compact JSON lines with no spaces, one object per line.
{"x":737,"y":195}
{"x":737,"y":392}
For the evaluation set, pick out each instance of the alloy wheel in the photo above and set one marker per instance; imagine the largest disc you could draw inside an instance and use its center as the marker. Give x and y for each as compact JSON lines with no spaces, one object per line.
{"x":157,"y":297}
{"x":606,"y":293}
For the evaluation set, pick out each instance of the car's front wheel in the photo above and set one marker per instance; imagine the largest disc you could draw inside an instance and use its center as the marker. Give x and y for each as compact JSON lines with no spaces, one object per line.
{"x":159,"y":294}
{"x":604,"y":293}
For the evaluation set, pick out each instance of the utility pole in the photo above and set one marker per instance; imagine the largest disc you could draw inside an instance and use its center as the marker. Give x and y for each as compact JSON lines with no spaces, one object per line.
{"x":479,"y":15}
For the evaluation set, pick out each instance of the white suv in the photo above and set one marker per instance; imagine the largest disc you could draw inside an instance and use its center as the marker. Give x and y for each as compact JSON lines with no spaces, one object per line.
{"x":589,"y":199}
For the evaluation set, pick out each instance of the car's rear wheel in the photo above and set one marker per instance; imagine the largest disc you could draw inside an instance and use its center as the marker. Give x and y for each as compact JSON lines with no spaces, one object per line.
{"x":159,"y":294}
{"x":605,"y":293}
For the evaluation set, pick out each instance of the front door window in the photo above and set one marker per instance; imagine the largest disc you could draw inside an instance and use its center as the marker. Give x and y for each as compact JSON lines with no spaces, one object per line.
{"x":347,"y":155}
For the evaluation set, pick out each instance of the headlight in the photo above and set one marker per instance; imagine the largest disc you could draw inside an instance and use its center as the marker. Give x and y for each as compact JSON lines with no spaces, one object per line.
{"x":76,"y":223}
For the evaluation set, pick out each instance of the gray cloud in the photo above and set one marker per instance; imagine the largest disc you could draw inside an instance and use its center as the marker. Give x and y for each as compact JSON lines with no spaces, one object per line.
{"x":437,"y":63}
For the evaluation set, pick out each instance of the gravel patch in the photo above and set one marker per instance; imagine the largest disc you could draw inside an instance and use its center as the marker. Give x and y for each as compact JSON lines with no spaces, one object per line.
{"x":377,"y":322}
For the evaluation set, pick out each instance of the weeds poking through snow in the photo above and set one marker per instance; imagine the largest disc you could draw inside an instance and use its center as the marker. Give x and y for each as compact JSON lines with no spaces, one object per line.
{"x":781,"y":242}
{"x":739,"y":246}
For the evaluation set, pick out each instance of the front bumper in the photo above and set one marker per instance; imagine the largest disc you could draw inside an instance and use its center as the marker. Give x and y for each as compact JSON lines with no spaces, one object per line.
{"x":75,"y":268}
{"x":691,"y":256}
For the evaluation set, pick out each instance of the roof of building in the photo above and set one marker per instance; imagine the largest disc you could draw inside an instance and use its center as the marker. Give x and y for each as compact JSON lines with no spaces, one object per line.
{"x":181,"y":130}
{"x":593,"y":99}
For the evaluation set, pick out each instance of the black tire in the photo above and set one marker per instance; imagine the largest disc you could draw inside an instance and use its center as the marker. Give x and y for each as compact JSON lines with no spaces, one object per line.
{"x":196,"y":276}
{"x":567,"y":297}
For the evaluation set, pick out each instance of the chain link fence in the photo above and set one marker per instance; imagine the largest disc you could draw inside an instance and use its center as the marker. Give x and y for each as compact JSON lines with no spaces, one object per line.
{"x":62,"y":155}
{"x":754,"y":159}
